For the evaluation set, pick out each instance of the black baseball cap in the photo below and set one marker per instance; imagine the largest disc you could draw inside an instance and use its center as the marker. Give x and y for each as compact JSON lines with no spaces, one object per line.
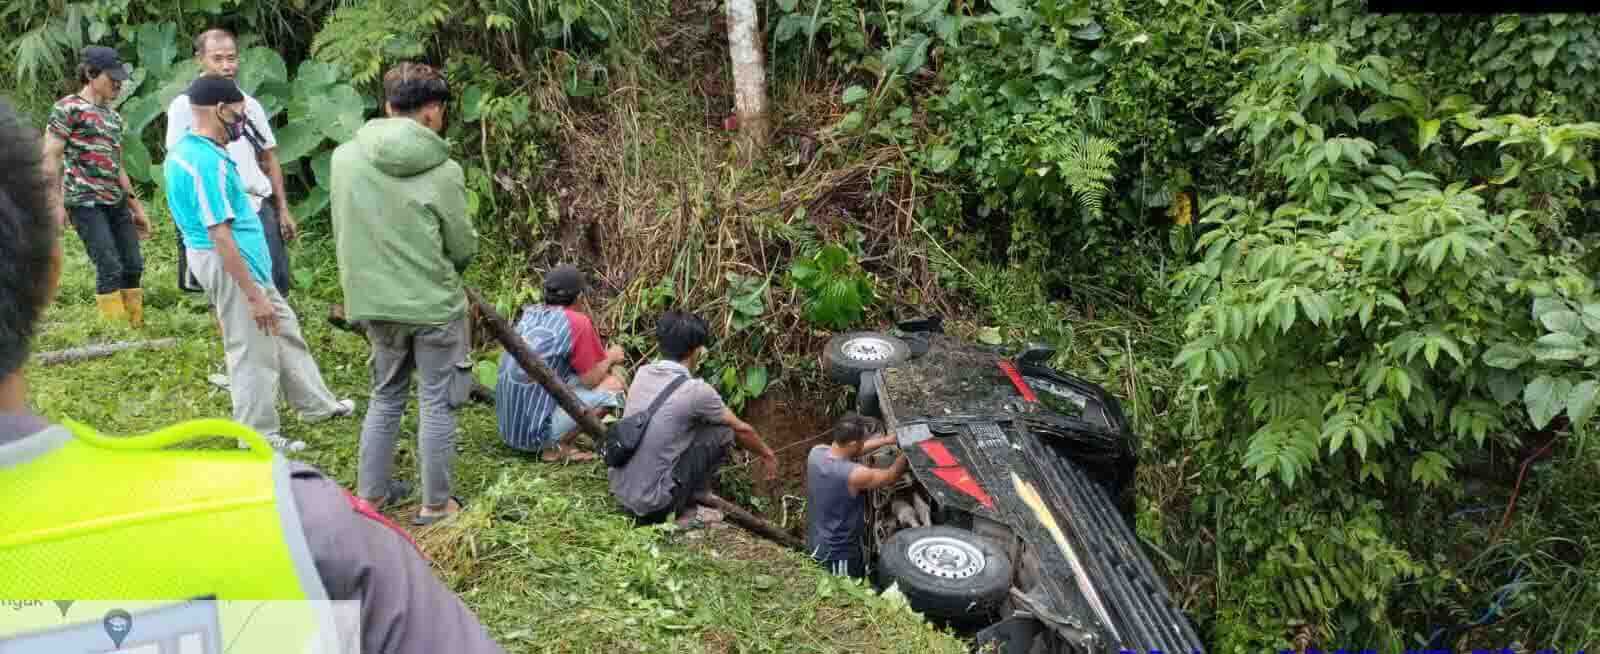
{"x":105,"y":60}
{"x":212,"y":90}
{"x":564,"y":280}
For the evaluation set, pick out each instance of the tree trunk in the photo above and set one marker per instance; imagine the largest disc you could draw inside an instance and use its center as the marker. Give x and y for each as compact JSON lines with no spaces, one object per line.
{"x":749,"y":76}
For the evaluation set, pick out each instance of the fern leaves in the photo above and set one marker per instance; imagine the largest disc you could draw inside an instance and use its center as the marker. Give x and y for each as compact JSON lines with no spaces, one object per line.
{"x":1088,"y":164}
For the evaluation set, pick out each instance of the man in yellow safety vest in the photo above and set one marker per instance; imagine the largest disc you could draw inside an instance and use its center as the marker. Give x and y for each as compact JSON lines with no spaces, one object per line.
{"x":129,"y":520}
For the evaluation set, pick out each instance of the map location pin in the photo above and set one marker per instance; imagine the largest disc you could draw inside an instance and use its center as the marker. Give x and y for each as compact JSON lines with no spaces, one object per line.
{"x":118,"y":623}
{"x":64,"y":605}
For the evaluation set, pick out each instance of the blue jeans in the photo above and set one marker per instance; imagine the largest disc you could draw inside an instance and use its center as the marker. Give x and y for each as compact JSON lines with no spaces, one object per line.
{"x":112,"y":244}
{"x":561,"y":423}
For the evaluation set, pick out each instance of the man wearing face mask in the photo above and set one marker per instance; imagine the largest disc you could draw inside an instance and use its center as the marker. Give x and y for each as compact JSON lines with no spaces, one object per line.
{"x":253,"y":150}
{"x":227,"y":250}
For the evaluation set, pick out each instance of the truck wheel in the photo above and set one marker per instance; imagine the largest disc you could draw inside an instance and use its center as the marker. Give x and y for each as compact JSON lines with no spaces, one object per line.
{"x":849,"y":355}
{"x":946,"y":573}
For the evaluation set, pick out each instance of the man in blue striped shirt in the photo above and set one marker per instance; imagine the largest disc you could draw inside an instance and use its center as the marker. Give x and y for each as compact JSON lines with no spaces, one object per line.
{"x":227,"y":252}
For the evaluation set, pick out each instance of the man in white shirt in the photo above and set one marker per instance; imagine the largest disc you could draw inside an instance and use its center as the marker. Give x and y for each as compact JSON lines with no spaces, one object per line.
{"x":251,"y":151}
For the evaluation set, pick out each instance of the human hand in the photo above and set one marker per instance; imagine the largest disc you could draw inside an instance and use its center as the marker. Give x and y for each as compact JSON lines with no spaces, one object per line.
{"x":60,"y":214}
{"x":141,"y":222}
{"x":615,"y":353}
{"x":769,"y":460}
{"x":263,"y":314}
{"x":286,"y":224}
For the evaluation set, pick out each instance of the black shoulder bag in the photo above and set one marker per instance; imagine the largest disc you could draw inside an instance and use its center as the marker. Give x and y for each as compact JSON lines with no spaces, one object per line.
{"x":625,"y":435}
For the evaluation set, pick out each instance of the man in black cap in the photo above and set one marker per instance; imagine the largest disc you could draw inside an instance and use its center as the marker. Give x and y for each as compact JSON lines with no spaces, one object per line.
{"x":561,"y":332}
{"x":227,"y":251}
{"x":83,"y":154}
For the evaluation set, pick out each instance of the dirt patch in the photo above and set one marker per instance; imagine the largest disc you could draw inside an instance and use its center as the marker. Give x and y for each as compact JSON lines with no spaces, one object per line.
{"x":791,"y":426}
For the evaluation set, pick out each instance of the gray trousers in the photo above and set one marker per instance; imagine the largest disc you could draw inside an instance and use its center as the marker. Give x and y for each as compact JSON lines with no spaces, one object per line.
{"x":261,"y":364}
{"x":438,"y":356}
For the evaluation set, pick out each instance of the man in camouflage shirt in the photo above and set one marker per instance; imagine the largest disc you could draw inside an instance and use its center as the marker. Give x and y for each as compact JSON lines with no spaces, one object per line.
{"x":83,"y":145}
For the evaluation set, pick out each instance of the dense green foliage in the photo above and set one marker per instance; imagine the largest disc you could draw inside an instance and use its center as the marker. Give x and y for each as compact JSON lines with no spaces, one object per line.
{"x":1350,"y":258}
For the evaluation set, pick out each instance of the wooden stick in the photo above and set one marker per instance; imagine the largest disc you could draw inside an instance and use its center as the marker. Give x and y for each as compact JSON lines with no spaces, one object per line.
{"x":536,"y":368}
{"x":97,"y":351}
{"x":737,"y":515}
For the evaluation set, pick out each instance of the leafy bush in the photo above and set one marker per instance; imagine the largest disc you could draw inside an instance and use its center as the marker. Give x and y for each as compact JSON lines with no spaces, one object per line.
{"x":837,"y":291}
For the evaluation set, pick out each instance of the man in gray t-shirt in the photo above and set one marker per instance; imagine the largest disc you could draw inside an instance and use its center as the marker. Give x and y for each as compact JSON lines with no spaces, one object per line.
{"x":836,"y":486}
{"x":689,"y":434}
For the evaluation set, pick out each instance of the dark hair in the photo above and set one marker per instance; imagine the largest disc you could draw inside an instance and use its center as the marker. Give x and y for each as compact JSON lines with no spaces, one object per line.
{"x":87,"y":73}
{"x":680,"y":332}
{"x":559,"y":298}
{"x":410,"y":86}
{"x":853,"y":428}
{"x":27,"y":238}
{"x":203,"y":39}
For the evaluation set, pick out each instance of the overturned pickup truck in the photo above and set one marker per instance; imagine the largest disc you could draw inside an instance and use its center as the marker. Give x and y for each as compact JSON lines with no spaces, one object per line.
{"x":1017,"y":515}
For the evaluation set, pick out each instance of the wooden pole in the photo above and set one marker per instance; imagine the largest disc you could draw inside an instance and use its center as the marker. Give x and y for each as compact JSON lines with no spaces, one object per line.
{"x":737,"y":515}
{"x":536,"y":369}
{"x":97,"y":351}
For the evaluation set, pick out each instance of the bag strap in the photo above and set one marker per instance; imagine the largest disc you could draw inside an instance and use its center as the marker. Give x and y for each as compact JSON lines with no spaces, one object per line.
{"x":662,"y":398}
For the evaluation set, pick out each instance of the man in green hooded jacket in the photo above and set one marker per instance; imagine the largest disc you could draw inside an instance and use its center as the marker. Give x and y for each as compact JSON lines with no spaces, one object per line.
{"x":403,"y":240}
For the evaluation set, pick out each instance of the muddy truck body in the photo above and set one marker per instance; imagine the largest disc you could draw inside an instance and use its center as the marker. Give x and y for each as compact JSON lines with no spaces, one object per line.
{"x":1016,"y":519}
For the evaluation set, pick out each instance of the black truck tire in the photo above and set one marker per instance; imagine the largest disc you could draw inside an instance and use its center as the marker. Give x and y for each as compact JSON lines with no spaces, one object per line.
{"x":958,"y":594}
{"x":849,"y":355}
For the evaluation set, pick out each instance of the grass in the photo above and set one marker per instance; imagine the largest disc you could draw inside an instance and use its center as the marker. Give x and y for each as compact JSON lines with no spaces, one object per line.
{"x":541,"y":555}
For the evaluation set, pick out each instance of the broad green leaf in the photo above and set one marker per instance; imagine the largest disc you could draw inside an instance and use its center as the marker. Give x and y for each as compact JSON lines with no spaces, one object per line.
{"x":1591,"y":316}
{"x":158,"y":47}
{"x":941,"y":158}
{"x":340,"y":113}
{"x":1581,"y":402}
{"x":755,"y":381}
{"x":1566,"y":322}
{"x":1426,"y":131}
{"x":1505,"y":386}
{"x":1543,"y":56}
{"x":850,"y":123}
{"x":919,"y":54}
{"x":315,"y":202}
{"x":321,"y":165}
{"x":855,"y":94}
{"x":1545,"y":398}
{"x":296,"y":140}
{"x":259,"y":66}
{"x":1331,"y":149}
{"x":136,"y":159}
{"x":472,"y":101}
{"x":487,"y":372}
{"x":1558,"y":347}
{"x":138,"y":114}
{"x":1506,"y":356}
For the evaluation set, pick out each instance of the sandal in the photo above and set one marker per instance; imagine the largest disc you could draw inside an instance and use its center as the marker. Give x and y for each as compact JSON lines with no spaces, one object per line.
{"x":399,"y":491}
{"x":425,"y":520}
{"x":572,"y":455}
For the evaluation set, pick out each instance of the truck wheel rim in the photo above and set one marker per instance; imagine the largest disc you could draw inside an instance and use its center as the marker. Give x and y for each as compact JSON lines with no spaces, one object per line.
{"x":867,"y":348}
{"x":946,"y":558}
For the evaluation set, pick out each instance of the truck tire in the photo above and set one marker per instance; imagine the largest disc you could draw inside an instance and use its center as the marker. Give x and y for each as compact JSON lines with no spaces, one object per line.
{"x":947,"y":574}
{"x":849,"y":355}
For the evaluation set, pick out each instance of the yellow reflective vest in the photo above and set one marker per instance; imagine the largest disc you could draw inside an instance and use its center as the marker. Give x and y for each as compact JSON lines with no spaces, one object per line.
{"x":122,"y":524}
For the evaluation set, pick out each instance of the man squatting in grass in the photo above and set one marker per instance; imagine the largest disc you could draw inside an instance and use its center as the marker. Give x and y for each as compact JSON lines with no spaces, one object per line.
{"x":227,"y":250}
{"x":561,"y":332}
{"x":355,"y":554}
{"x":83,"y":145}
{"x":403,"y":239}
{"x":836,"y":486}
{"x":688,"y":435}
{"x":254,"y":154}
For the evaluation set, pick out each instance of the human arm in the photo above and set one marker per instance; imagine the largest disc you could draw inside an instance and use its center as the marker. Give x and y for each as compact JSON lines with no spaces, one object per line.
{"x":54,"y":149}
{"x":460,"y":237}
{"x":267,"y":156}
{"x":589,"y":359}
{"x":864,"y":478}
{"x":751,"y":442}
{"x":141,"y":222}
{"x":180,"y":118}
{"x":875,"y":443}
{"x":405,"y":608}
{"x":233,"y":263}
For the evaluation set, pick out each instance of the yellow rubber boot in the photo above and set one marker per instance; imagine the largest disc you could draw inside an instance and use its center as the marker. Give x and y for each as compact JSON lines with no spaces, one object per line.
{"x":133,"y":303}
{"x":111,"y":306}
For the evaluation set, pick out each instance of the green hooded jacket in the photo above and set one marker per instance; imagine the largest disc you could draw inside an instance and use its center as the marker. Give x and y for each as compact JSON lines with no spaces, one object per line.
{"x":400,"y":224}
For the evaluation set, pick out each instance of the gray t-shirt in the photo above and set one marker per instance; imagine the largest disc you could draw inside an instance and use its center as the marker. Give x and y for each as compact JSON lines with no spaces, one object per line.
{"x":835,"y":517}
{"x":645,"y":484}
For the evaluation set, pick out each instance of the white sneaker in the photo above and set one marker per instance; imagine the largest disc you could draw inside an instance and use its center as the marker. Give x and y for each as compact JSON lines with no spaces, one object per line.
{"x":281,"y":444}
{"x":346,"y":407}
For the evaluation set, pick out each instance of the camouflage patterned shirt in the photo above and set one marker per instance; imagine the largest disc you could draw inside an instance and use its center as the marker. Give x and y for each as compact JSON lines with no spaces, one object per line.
{"x":93,"y":156}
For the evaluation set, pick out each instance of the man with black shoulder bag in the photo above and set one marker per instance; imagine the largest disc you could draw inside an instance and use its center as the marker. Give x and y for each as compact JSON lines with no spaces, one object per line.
{"x":682,"y":428}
